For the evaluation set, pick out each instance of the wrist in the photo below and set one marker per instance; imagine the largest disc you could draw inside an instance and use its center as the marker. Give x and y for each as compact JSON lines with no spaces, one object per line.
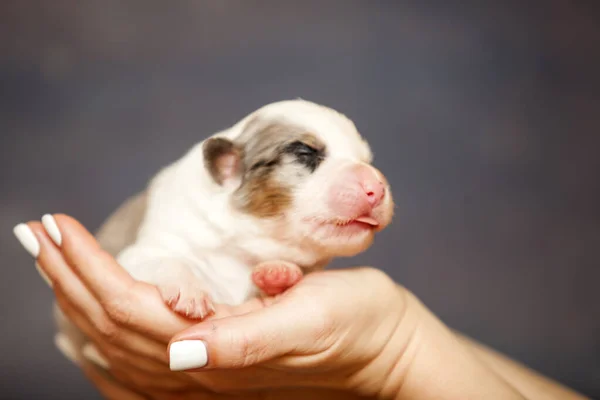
{"x":425,"y":360}
{"x":395,"y":318}
{"x":389,"y":371}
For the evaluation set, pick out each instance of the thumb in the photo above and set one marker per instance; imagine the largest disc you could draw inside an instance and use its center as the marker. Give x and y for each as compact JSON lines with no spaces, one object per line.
{"x":244,"y":340}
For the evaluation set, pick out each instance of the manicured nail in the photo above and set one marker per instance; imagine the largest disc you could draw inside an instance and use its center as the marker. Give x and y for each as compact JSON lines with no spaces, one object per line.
{"x":187,"y":354}
{"x":66,"y":347}
{"x":43,"y":274}
{"x":27,"y":239}
{"x":92,"y":354}
{"x":50,"y":225}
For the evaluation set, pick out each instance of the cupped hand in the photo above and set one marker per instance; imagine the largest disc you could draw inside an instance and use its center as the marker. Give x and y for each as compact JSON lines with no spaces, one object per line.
{"x":332,"y":329}
{"x":129,"y":326}
{"x":354,"y":331}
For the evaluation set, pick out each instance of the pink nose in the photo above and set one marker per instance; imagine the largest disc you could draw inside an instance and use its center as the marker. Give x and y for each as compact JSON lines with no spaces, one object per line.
{"x":375,"y":191}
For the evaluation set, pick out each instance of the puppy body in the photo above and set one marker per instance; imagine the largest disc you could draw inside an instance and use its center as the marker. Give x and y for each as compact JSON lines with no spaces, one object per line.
{"x":291,"y":183}
{"x":208,"y":220}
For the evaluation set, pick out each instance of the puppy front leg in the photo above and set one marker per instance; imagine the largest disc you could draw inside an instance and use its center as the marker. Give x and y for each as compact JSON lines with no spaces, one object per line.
{"x":275,"y":277}
{"x":182,"y":290}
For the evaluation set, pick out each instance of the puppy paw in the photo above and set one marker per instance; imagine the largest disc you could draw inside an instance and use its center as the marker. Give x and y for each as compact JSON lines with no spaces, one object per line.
{"x":188,"y":300}
{"x":275,"y":277}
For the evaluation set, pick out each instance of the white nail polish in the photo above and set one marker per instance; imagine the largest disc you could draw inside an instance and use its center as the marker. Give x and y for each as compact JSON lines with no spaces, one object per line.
{"x":27,"y":239}
{"x":50,"y":225}
{"x":187,"y":354}
{"x":91,"y":353}
{"x":66,"y":347}
{"x":43,"y":274}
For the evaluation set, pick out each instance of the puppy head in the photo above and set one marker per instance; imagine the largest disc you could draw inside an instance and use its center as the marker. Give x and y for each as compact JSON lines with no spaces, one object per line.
{"x":303,"y":171}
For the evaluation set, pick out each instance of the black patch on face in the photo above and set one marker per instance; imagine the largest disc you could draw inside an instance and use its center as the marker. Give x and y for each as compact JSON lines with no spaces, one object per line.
{"x":305,"y":154}
{"x":271,"y":154}
{"x":266,"y":164}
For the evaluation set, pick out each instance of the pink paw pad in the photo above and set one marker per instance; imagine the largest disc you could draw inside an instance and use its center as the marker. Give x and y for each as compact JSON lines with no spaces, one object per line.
{"x":276,"y":277}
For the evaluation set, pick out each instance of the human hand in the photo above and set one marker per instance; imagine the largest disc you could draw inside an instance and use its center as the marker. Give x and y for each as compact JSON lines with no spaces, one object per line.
{"x":350,"y":329}
{"x":127,"y":322}
{"x":329,"y":330}
{"x":364,"y":333}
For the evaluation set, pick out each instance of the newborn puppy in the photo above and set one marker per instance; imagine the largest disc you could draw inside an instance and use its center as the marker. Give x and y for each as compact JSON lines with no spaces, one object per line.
{"x":255,"y":206}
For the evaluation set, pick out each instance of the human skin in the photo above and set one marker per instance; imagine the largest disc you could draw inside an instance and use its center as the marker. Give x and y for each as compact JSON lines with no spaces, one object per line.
{"x":335,"y":330}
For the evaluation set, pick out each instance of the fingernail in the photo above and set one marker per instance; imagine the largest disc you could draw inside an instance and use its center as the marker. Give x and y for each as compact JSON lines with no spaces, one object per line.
{"x":50,"y":225}
{"x":25,"y":235}
{"x":43,"y":274}
{"x":187,"y":354}
{"x":92,"y":354}
{"x":66,"y":347}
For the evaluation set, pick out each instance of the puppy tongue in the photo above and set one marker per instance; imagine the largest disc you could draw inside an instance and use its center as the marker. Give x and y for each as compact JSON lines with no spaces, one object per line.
{"x":368,"y":220}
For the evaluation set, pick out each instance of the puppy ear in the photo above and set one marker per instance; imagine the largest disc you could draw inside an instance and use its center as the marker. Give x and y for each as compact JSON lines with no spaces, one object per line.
{"x":223,"y":159}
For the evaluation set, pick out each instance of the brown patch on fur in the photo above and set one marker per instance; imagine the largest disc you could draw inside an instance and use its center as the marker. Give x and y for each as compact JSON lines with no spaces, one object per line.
{"x":267,"y":198}
{"x":266,"y":189}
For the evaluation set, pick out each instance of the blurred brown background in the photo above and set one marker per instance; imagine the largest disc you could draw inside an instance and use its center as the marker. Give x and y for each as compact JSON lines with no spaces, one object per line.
{"x":485,"y":116}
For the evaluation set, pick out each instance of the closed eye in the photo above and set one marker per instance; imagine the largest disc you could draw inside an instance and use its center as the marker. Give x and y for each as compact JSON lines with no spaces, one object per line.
{"x":300,"y":148}
{"x":305,"y":154}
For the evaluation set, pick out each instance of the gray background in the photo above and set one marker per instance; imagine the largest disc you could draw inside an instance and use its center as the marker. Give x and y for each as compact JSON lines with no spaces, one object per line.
{"x":484,"y":116}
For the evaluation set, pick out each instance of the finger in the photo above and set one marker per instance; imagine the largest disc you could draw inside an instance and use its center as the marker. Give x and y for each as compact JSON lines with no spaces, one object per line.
{"x":145,"y":382}
{"x":249,"y":339}
{"x":85,"y":312}
{"x":96,"y":268}
{"x":138,"y":347}
{"x":81,"y":248}
{"x":137,"y":375}
{"x":161,"y":389}
{"x":109,"y":388}
{"x":126,"y":301}
{"x":63,"y":280}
